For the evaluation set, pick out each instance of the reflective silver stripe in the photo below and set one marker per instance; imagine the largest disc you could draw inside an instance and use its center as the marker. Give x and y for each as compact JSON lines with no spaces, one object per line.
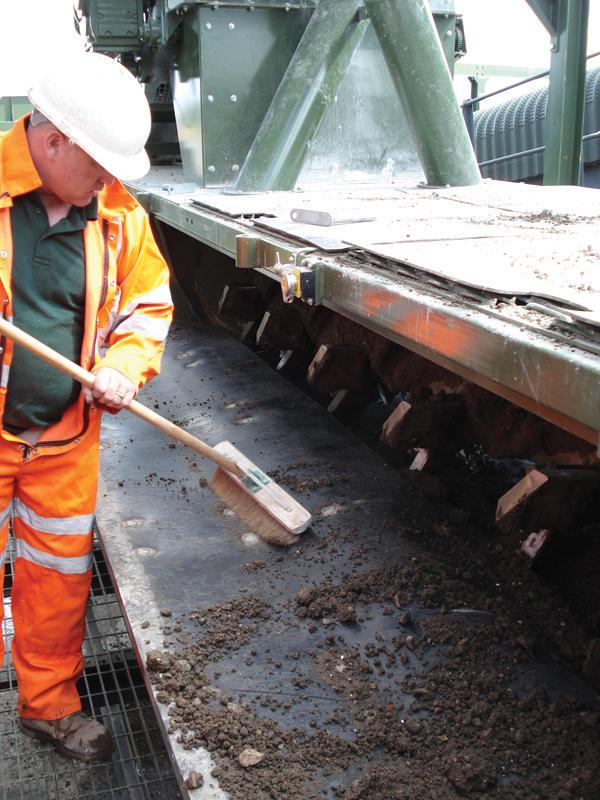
{"x":129,"y":322}
{"x":119,"y":239}
{"x":5,"y":372}
{"x":76,"y":565}
{"x":4,"y":376}
{"x":2,"y":557}
{"x":112,"y":316}
{"x":141,"y":323}
{"x":5,"y":515}
{"x":68,"y":526}
{"x":158,"y":296}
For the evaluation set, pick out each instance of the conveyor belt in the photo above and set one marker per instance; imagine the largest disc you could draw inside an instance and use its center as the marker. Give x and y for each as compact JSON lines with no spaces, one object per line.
{"x":173,"y":549}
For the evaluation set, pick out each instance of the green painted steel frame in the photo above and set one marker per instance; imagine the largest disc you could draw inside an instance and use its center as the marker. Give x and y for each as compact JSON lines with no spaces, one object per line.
{"x":305,"y":93}
{"x":566,"y":98}
{"x":228,"y":131}
{"x":230,"y":65}
{"x":416,"y":61}
{"x":567,"y":23}
{"x":406,"y":32}
{"x":545,"y":10}
{"x":525,"y":366}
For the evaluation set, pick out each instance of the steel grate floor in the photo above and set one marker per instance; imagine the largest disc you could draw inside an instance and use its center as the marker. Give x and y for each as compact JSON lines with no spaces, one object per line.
{"x":113,"y":692}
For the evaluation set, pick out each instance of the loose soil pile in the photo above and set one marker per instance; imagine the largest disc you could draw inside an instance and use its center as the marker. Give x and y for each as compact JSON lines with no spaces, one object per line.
{"x":467,"y":687}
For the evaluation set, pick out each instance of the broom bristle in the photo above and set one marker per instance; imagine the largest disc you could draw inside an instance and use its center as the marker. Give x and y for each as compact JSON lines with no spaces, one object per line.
{"x":249,"y":511}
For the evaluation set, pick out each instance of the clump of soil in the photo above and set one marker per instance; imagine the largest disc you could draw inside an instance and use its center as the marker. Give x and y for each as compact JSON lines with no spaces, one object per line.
{"x":302,"y":485}
{"x":254,"y":566}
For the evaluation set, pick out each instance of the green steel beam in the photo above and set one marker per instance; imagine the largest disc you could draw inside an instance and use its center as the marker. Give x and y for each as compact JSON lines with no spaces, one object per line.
{"x":306,"y":91}
{"x":415,"y":58}
{"x":566,"y":96}
{"x":545,"y":10}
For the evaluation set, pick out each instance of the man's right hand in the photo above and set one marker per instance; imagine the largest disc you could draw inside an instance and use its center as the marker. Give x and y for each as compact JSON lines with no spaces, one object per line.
{"x":111,"y":389}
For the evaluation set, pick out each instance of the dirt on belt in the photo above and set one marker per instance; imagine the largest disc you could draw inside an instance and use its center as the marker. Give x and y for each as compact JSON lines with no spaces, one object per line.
{"x":468,"y":686}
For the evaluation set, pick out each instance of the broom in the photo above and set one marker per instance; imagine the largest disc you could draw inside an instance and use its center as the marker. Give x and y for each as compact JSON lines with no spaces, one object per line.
{"x":256,"y":499}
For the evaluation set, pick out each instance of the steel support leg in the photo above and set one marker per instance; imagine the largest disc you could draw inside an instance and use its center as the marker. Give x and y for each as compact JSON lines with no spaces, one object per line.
{"x":415,"y":58}
{"x":306,"y":92}
{"x":566,"y":97}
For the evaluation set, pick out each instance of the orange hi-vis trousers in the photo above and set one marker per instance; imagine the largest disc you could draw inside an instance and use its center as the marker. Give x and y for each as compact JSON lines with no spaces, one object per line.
{"x":50,"y":500}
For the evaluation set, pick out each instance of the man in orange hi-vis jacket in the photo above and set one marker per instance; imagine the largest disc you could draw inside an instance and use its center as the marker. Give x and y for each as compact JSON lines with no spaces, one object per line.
{"x":79,"y":270}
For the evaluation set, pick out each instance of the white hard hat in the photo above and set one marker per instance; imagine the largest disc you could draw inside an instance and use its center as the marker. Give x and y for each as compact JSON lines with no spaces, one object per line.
{"x":97,"y":103}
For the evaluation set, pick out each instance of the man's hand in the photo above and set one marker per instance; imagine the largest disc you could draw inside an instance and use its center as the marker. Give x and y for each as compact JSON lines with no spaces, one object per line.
{"x":110,"y":389}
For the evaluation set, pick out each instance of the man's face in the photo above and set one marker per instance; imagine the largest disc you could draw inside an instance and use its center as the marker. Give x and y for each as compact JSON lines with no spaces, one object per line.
{"x":72,"y":175}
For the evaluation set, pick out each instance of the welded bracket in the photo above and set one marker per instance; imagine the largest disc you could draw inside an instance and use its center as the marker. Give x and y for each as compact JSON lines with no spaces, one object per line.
{"x":256,"y":252}
{"x":296,"y":274}
{"x":546,"y":12}
{"x":246,"y":251}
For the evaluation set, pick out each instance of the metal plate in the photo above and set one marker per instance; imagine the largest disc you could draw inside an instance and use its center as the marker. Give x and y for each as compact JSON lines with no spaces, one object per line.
{"x":560,"y":268}
{"x":230,"y":66}
{"x":507,"y":239}
{"x":554,"y":378}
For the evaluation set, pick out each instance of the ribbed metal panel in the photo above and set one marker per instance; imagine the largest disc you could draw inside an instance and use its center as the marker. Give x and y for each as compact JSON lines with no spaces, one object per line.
{"x":591,"y":149}
{"x":518,"y":124}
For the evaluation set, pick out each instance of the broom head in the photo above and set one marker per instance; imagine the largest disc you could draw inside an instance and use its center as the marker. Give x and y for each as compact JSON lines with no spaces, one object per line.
{"x":262,"y":504}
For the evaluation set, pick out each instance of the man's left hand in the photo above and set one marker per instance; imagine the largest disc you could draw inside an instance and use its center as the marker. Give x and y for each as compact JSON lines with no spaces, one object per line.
{"x":111,"y":389}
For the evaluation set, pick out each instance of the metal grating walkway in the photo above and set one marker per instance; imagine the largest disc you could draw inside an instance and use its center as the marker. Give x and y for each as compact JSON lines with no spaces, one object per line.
{"x":113,"y":692}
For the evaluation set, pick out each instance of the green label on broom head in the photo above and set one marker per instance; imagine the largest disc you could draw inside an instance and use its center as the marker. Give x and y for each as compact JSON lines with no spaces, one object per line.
{"x":255,"y":480}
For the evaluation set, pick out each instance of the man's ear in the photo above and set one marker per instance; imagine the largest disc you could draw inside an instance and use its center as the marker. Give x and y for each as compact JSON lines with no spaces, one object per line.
{"x":55,"y":143}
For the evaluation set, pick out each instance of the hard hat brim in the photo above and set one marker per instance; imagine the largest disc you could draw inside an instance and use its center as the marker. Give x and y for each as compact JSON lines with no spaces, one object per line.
{"x":128,"y":168}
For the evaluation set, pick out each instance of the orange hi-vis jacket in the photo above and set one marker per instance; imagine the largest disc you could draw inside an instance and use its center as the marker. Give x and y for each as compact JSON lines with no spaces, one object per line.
{"x":128,"y":305}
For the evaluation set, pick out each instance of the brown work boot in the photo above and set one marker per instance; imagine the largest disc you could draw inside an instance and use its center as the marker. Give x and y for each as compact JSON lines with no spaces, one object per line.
{"x":76,"y":736}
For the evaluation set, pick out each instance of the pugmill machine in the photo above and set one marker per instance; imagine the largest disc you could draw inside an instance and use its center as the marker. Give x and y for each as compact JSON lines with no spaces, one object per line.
{"x":411,"y":348}
{"x":321,"y":149}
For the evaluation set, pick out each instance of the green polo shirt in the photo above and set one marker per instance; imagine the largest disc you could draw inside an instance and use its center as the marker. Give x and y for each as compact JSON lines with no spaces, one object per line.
{"x":48,"y":288}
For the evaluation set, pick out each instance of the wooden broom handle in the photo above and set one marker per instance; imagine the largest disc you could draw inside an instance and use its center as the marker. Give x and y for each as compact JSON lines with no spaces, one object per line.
{"x":86,"y":378}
